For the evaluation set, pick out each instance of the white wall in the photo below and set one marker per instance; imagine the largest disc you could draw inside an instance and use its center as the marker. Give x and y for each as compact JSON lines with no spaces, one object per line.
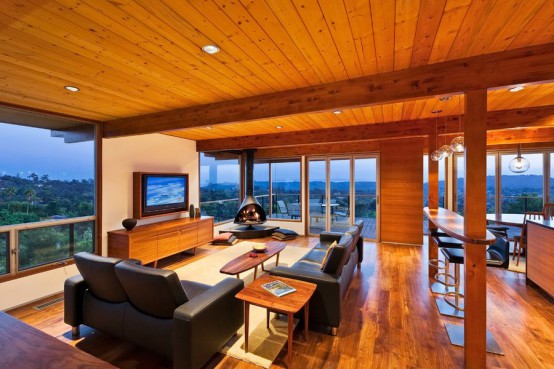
{"x":147,"y":153}
{"x":121,"y":157}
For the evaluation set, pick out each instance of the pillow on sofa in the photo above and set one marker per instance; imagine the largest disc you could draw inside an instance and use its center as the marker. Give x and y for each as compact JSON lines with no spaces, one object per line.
{"x":324,"y":261}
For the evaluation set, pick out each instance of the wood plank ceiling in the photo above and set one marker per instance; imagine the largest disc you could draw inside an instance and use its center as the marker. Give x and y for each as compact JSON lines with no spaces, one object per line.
{"x":131,"y":58}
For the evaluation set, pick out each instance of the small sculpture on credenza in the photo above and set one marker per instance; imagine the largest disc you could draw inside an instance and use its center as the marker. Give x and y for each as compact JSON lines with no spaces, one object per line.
{"x":197,"y":213}
{"x":129,"y":223}
{"x":191,"y":211}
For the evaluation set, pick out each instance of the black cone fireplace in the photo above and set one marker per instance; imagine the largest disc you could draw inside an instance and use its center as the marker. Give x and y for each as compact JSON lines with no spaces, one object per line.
{"x":250,"y":211}
{"x":251,"y":215}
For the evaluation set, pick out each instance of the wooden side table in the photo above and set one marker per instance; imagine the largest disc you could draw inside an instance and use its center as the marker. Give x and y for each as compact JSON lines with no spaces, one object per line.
{"x":289,"y":304}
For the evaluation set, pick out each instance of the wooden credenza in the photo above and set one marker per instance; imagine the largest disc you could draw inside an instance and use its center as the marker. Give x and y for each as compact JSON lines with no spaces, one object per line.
{"x":152,"y":242}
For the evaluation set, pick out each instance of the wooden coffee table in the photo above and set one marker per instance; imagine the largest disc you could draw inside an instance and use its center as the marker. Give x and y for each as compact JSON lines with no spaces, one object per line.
{"x":289,"y":304}
{"x":244,"y":262}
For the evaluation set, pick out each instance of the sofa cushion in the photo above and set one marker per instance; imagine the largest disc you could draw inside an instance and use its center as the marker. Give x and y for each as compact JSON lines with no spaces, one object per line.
{"x":99,"y":275}
{"x":156,"y":292}
{"x":327,"y":253}
{"x":339,"y":256}
{"x":315,"y":256}
{"x":193,"y":289}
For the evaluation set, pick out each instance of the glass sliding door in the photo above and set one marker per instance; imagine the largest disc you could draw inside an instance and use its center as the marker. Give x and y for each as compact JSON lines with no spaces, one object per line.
{"x":339,"y":204}
{"x":365,"y":195}
{"x":317,"y":195}
{"x":341,"y":191}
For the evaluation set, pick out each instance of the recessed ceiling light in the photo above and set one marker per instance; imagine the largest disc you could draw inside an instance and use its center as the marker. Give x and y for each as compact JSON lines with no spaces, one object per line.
{"x":444,"y":98}
{"x":71,"y":88}
{"x":516,"y":88}
{"x":436,"y":111}
{"x":337,"y":112}
{"x":279,"y":127}
{"x":209,"y":127}
{"x":210,"y":49}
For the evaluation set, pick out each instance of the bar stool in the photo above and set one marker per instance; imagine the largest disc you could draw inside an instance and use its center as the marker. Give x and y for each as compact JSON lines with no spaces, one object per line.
{"x":445,"y":305}
{"x":443,"y":241}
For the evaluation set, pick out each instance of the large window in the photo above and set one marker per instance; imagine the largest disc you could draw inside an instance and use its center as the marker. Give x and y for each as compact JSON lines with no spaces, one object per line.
{"x":551,"y":198}
{"x":220,"y":185}
{"x":4,"y":253}
{"x":442,"y":181}
{"x":509,"y":192}
{"x":277,"y":187}
{"x":47,"y":194}
{"x":522,"y":191}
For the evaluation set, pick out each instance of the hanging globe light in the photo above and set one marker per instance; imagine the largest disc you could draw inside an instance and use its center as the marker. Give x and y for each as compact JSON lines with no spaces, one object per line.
{"x":446,"y":151}
{"x":457,"y":144}
{"x":519,"y":164}
{"x":436,"y":155}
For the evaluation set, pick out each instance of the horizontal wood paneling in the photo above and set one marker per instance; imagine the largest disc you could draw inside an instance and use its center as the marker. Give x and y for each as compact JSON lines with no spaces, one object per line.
{"x":481,"y":72}
{"x":136,"y":58}
{"x":531,"y":117}
{"x":401,"y":183}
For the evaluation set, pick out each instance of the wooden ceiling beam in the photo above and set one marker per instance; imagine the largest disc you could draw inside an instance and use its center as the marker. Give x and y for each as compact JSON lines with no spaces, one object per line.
{"x":496,"y":120}
{"x":525,"y":65}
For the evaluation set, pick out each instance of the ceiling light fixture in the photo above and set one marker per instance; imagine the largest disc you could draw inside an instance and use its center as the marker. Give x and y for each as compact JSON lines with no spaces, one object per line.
{"x":436,"y":155}
{"x":209,"y":127}
{"x":458,"y":143}
{"x":519,"y":164}
{"x":210,"y":49}
{"x":516,"y":88}
{"x":445,"y":149}
{"x":337,"y":112}
{"x":279,"y":127}
{"x":72,"y":88}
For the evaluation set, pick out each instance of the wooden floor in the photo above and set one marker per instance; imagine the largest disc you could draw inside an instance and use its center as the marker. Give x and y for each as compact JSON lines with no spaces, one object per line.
{"x":389,"y":321}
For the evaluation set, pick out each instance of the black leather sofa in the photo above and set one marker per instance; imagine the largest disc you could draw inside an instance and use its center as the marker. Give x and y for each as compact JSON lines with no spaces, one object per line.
{"x":334,"y":278}
{"x":187,"y":322}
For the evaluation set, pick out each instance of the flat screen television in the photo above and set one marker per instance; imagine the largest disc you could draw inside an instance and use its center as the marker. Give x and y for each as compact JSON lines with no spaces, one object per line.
{"x":159,"y":193}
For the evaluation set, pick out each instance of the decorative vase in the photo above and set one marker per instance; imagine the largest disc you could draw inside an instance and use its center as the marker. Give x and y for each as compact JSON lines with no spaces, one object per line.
{"x":197,"y":213}
{"x":191,"y":211}
{"x":129,"y":223}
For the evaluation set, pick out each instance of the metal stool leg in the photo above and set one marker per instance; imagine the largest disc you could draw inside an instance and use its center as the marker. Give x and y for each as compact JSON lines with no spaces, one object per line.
{"x":445,"y":306}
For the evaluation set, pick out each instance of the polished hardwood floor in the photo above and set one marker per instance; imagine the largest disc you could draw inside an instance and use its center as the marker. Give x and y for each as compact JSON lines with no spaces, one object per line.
{"x":390,"y":321}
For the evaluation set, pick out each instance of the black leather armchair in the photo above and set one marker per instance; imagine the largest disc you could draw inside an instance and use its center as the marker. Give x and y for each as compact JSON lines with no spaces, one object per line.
{"x":185,"y":321}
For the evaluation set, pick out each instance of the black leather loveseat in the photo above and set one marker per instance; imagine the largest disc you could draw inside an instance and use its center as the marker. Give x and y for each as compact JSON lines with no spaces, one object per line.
{"x":187,"y":322}
{"x":334,"y":278}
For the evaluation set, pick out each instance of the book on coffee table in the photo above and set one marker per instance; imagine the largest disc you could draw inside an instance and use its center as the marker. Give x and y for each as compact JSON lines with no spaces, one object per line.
{"x":278,"y":288}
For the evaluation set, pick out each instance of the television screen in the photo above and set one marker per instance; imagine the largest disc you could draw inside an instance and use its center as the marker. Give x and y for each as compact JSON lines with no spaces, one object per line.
{"x":165,"y":190}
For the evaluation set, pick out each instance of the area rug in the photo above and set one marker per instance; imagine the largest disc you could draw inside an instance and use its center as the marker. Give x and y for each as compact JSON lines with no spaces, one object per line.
{"x":264,"y":345}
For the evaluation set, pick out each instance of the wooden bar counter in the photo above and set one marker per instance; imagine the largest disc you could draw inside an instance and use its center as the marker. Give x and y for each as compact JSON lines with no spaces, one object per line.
{"x":540,"y":254}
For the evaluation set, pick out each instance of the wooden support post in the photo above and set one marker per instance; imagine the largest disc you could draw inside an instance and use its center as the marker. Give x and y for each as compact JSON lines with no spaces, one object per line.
{"x":475,"y":205}
{"x":433,"y":190}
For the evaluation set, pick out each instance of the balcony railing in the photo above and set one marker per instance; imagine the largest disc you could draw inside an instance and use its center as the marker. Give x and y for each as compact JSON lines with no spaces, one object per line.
{"x":25,"y":246}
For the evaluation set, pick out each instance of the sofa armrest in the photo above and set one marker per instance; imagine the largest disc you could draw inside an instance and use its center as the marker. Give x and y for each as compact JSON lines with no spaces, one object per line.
{"x":360,"y":246}
{"x":330,"y":236}
{"x":74,"y":294}
{"x":202,"y":325}
{"x":326,"y":302}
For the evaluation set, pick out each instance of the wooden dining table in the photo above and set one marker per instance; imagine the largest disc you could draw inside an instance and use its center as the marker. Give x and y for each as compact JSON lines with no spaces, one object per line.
{"x":513,"y":220}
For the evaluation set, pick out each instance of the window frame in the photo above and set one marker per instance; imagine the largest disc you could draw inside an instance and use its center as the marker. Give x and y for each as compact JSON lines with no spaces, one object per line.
{"x":12,"y":262}
{"x":270,"y":163}
{"x":548,"y":156}
{"x":239,"y":193}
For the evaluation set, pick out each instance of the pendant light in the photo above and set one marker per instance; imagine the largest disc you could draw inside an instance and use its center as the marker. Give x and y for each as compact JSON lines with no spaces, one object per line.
{"x":436,"y":155}
{"x":445,"y":149}
{"x":457,"y":143}
{"x":519,"y":164}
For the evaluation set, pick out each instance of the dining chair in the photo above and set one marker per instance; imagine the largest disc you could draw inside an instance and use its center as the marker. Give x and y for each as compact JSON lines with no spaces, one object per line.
{"x":520,"y":242}
{"x":548,"y":210}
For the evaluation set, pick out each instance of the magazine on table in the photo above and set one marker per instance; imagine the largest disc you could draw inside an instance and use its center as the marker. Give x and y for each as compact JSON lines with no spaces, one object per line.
{"x":278,"y":288}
